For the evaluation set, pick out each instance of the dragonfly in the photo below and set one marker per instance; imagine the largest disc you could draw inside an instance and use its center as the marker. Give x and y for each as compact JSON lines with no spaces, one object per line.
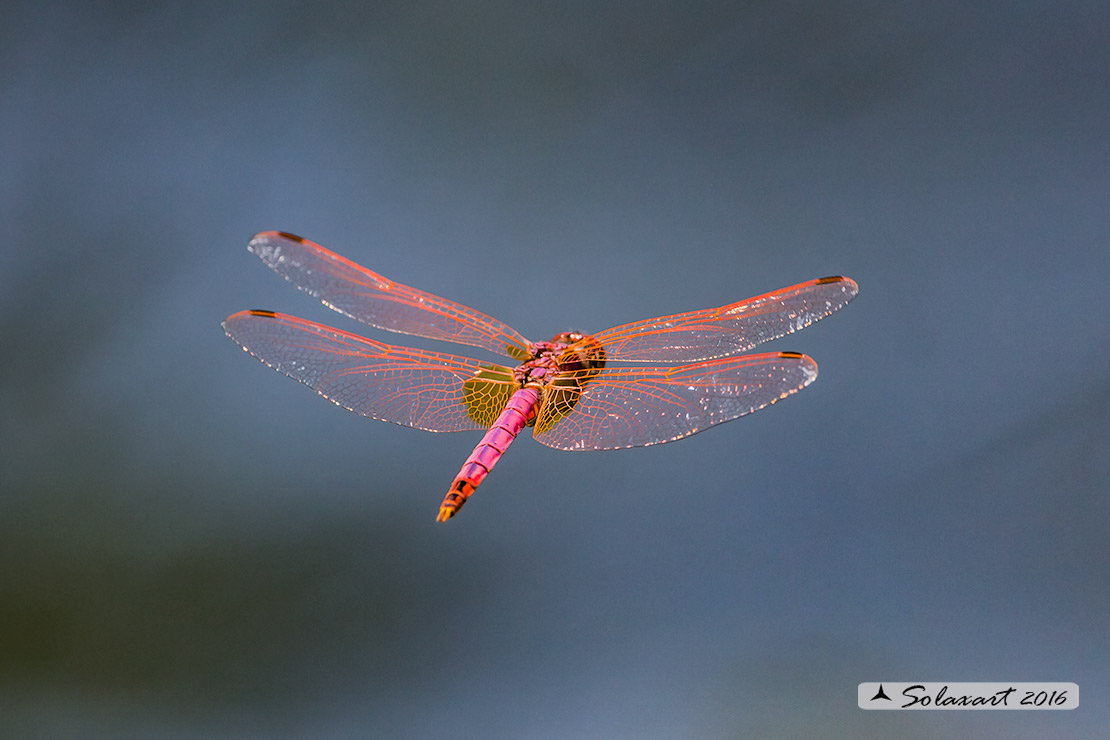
{"x":563,"y":388}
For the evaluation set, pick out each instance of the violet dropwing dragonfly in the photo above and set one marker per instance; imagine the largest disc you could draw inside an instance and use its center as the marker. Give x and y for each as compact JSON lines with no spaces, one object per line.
{"x":562,"y":388}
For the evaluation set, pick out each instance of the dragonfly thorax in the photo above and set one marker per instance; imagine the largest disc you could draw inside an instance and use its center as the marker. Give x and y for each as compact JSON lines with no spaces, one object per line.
{"x":569,"y":354}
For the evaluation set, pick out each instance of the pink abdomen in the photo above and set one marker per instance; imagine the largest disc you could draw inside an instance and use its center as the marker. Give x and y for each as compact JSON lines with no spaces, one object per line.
{"x":501,"y":434}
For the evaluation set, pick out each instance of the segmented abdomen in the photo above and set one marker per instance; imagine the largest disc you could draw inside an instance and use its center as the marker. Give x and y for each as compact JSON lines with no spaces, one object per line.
{"x":514,"y":417}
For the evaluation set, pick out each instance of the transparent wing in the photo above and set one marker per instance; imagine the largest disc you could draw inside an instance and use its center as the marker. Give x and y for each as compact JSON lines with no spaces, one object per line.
{"x":633,"y":407}
{"x":728,"y":330}
{"x":425,"y":390}
{"x":366,"y":296}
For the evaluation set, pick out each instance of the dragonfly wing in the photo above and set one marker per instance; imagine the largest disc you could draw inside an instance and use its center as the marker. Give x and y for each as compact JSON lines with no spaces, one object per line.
{"x":632,"y":407}
{"x":425,"y":390}
{"x":728,"y":330}
{"x":366,"y":296}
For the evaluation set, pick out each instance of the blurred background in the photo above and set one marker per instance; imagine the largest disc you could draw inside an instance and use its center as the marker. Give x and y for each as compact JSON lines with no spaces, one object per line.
{"x":192,"y":545}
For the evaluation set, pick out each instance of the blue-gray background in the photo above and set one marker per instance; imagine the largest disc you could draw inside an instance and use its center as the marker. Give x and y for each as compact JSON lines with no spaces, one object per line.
{"x":192,"y":545}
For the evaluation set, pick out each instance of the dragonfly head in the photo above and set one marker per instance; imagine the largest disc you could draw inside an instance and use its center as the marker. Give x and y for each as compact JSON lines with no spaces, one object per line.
{"x":580,"y":352}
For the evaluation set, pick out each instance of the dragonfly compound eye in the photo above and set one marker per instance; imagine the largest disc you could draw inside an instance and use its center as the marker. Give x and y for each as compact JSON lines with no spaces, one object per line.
{"x":583,"y":354}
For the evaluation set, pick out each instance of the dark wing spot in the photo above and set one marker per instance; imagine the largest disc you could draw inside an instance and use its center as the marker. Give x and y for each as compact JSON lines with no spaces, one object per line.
{"x":264,"y":314}
{"x":791,"y":354}
{"x":830,"y":279}
{"x":294,"y":237}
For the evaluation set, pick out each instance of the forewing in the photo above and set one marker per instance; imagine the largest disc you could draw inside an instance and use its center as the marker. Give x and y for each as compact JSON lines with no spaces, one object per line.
{"x":366,"y":296}
{"x":632,"y":407}
{"x":728,"y":330}
{"x":425,"y":390}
